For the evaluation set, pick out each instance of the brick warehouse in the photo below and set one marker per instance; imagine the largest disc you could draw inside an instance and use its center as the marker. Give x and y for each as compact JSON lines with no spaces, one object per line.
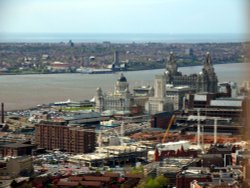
{"x":69,"y":139}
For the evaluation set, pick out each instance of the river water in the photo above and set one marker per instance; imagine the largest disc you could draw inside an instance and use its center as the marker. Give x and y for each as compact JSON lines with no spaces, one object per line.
{"x":23,"y":91}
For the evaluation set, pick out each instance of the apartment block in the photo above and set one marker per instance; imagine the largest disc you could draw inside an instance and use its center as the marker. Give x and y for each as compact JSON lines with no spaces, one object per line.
{"x":66,"y":138}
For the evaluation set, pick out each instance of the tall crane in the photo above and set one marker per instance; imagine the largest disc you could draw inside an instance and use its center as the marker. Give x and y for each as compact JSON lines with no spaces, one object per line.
{"x":168,"y":128}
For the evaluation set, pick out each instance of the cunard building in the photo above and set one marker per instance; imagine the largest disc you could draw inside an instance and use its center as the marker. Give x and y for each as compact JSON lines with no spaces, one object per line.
{"x":205,"y":81}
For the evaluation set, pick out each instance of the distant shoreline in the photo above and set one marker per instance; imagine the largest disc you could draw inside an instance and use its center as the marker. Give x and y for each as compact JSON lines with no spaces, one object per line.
{"x":13,"y":74}
{"x":122,"y":37}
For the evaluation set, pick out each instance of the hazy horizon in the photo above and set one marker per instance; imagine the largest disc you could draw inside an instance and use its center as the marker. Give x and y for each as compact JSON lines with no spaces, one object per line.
{"x":121,"y":37}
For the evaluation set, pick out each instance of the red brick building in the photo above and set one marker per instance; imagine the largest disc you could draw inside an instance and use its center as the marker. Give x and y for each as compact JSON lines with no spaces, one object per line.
{"x":184,"y":178}
{"x":70,"y":139}
{"x":17,"y":149}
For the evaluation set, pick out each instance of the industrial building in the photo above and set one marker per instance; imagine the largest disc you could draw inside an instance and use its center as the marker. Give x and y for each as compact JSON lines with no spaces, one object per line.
{"x":213,"y":106}
{"x":111,"y":156}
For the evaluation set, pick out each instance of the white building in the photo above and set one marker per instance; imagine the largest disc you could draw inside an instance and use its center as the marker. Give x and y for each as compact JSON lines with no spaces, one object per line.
{"x":120,"y":100}
{"x":177,"y":95}
{"x":159,"y":102}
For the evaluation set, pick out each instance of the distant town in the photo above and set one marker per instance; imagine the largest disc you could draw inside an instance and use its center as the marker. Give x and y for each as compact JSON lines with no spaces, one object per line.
{"x":182,"y":131}
{"x":106,"y":57}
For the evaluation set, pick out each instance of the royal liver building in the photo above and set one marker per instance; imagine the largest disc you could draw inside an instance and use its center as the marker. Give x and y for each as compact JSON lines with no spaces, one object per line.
{"x":205,"y":81}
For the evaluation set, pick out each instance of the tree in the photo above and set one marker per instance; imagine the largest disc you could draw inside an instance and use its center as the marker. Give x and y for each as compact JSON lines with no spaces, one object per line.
{"x":162,"y":180}
{"x":143,"y":182}
{"x":153,"y":184}
{"x":14,"y":183}
{"x":138,"y":170}
{"x":158,"y":182}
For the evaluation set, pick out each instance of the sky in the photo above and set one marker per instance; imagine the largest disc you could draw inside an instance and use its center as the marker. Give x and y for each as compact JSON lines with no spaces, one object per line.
{"x":123,"y":16}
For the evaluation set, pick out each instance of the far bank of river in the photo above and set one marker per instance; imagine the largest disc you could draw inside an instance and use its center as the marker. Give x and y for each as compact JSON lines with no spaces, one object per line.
{"x":24,"y":91}
{"x":133,"y":69}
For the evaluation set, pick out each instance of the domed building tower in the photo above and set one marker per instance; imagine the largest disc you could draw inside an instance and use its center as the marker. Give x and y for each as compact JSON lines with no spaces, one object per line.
{"x":171,"y":69}
{"x":120,"y":100}
{"x":171,"y":65}
{"x":208,"y":76}
{"x":121,"y":86}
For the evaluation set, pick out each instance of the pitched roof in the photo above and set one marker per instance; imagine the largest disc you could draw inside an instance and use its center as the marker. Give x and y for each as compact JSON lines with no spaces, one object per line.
{"x":91,"y":183}
{"x":97,"y":178}
{"x":75,"y":178}
{"x":134,"y":176}
{"x":67,"y":184}
{"x":112,"y":174}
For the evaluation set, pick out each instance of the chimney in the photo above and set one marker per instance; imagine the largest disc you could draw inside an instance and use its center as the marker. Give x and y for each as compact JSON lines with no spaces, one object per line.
{"x":116,"y":57}
{"x":2,"y":112}
{"x":215,"y":130}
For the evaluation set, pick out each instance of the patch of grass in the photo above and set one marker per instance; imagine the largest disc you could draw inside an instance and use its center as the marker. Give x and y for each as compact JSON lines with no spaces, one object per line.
{"x":69,"y":109}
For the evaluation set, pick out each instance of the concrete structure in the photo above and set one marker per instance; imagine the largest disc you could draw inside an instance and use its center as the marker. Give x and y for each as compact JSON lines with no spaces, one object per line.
{"x":177,"y":95}
{"x":70,"y":139}
{"x":205,"y":81}
{"x":159,"y":102}
{"x":17,"y":149}
{"x":225,"y":107}
{"x":15,"y":167}
{"x":213,"y":106}
{"x":143,"y":91}
{"x":141,"y":95}
{"x":111,"y":156}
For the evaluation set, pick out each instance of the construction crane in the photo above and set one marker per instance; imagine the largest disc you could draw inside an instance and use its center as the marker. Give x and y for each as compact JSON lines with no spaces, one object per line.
{"x":168,"y":128}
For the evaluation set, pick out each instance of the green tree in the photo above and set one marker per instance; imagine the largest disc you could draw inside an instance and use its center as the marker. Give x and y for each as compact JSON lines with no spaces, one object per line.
{"x":143,"y":182}
{"x":48,"y":185}
{"x":158,"y":182}
{"x":26,"y":185}
{"x":153,"y":184}
{"x":138,"y":170}
{"x":162,"y":180}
